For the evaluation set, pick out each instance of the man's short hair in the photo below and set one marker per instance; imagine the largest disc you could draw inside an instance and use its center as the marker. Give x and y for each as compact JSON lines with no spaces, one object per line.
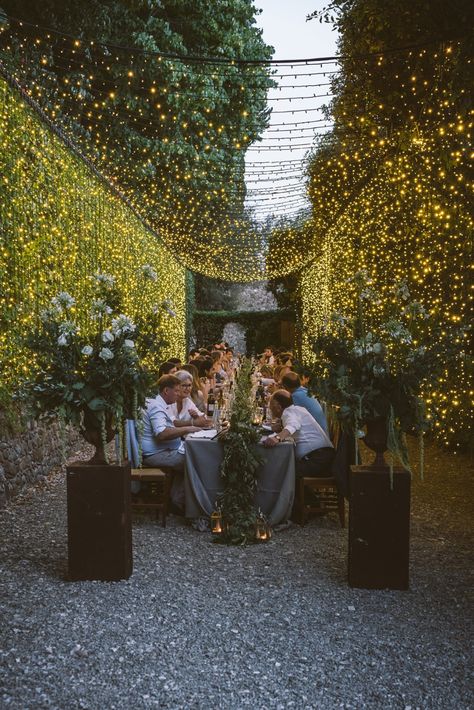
{"x":290,"y":381}
{"x":268,"y":347}
{"x":167,"y":381}
{"x":166,"y":367}
{"x":176,"y":360}
{"x":216,"y":355}
{"x":283,"y":397}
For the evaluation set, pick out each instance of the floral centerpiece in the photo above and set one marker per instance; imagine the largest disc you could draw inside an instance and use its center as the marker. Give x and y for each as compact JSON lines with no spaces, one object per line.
{"x":92,"y":379}
{"x":375,"y":369}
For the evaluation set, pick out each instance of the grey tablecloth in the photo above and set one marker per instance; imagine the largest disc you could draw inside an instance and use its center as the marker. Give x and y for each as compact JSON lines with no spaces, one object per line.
{"x":202,"y":481}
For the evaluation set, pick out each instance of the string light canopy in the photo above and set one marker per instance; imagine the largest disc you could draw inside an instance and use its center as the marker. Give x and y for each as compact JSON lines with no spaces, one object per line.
{"x":385,"y":184}
{"x":151,"y":122}
{"x":180,"y":157}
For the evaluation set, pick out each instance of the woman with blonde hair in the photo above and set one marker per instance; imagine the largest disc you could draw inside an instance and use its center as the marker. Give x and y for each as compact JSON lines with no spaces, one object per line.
{"x":197,"y":394}
{"x":184,"y":412}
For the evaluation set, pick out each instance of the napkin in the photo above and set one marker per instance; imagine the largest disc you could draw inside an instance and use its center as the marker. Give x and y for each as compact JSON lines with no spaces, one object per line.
{"x":204,"y":434}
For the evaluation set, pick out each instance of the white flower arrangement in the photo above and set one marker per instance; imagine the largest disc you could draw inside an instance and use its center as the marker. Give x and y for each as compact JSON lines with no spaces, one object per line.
{"x":148,"y":272}
{"x":108,"y":336}
{"x":396,"y":330}
{"x":414,"y":309}
{"x":106,"y":354}
{"x":68,"y":327}
{"x":87,"y":350}
{"x":122,"y":325}
{"x":100,"y":308}
{"x":128,"y":344}
{"x":168,"y":307}
{"x":104,"y":279}
{"x":63,"y":300}
{"x":50,"y":314}
{"x":401,"y":291}
{"x":62,"y":340}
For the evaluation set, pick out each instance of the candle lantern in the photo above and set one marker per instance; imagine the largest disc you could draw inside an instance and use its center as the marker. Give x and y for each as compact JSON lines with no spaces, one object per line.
{"x":263,"y":530}
{"x":216,"y":522}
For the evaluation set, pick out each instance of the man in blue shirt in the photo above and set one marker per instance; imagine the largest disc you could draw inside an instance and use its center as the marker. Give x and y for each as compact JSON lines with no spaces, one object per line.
{"x":292,"y":383}
{"x":162,"y":443}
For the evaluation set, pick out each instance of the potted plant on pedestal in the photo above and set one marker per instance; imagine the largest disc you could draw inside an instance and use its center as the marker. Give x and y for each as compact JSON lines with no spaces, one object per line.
{"x":374,"y":368}
{"x":94,"y":380}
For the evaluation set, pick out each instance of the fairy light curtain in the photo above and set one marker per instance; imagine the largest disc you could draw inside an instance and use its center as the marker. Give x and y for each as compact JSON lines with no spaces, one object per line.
{"x":386,"y":184}
{"x":172,"y":134}
{"x":60,"y":225}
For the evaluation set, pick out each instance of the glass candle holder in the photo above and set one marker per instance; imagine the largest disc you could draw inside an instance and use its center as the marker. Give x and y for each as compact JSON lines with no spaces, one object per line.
{"x":216,"y":522}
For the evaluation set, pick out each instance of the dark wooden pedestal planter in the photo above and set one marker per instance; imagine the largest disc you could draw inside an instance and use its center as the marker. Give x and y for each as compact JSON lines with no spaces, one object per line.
{"x":99,"y":522}
{"x":379,"y":528}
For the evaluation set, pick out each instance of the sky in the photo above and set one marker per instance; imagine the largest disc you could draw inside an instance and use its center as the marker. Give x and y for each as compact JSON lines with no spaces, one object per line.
{"x":275,"y":185}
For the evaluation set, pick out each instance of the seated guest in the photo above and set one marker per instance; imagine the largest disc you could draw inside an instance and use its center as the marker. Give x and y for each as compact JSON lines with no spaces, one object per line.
{"x":227,"y":359}
{"x":218,"y":370}
{"x":183,"y":411}
{"x":161,"y":439}
{"x":206,"y":376}
{"x":279,"y":372}
{"x":196,"y":395}
{"x":285,"y":359}
{"x":267,"y":357}
{"x":266,"y":373}
{"x":314,"y":450}
{"x":304,"y":374}
{"x":300,"y":397}
{"x":193,"y":355}
{"x":167,"y":368}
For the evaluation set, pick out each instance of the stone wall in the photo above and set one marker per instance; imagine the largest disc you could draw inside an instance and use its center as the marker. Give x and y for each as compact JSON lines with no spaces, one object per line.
{"x":28,"y":457}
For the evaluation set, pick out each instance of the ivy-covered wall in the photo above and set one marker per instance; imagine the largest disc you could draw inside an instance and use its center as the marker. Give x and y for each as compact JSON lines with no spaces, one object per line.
{"x":59,"y":224}
{"x":419,"y":235}
{"x":261,"y":327}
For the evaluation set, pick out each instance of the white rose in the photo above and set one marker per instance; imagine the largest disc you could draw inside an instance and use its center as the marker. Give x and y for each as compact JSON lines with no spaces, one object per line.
{"x":87,"y":350}
{"x":62,"y":340}
{"x":378,"y":348}
{"x":106,"y":354}
{"x":129,"y":343}
{"x":107,"y":337}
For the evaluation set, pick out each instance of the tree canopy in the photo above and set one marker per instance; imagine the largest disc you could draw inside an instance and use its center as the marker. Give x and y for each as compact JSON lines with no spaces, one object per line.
{"x":170,"y":130}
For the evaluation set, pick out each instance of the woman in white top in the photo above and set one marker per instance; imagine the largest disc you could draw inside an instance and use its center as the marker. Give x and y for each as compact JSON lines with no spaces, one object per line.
{"x":184,"y":412}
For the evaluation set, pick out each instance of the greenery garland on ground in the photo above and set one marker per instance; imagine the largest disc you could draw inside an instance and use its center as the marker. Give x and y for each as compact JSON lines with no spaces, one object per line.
{"x":240,"y":466}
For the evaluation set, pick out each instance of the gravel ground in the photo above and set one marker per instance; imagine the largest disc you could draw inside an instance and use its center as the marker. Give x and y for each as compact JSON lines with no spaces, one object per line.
{"x":271,"y":626}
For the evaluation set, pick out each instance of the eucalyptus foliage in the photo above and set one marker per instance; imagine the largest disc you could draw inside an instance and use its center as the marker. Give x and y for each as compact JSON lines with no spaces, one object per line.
{"x":240,"y":466}
{"x":379,"y":369}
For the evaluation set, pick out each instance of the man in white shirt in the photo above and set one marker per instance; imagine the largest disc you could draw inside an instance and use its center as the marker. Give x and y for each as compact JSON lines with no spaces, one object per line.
{"x":162,"y":444}
{"x":314,"y":450}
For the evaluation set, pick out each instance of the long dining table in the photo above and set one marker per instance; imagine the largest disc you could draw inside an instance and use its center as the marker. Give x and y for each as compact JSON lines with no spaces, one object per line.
{"x":203,"y":482}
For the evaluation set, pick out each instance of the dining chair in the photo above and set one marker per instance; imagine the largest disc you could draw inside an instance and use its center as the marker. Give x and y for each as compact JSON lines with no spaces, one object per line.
{"x":326,"y":494}
{"x":154,"y":484}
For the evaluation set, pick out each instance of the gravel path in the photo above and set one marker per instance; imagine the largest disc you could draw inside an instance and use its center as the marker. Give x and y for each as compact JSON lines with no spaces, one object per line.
{"x":204,"y":626}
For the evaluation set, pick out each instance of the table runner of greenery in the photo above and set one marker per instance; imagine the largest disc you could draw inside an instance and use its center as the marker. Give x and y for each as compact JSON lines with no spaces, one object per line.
{"x":240,"y":465}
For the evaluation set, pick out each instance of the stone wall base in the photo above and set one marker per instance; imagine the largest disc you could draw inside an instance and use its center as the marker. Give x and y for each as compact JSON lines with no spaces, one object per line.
{"x":27,"y":458}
